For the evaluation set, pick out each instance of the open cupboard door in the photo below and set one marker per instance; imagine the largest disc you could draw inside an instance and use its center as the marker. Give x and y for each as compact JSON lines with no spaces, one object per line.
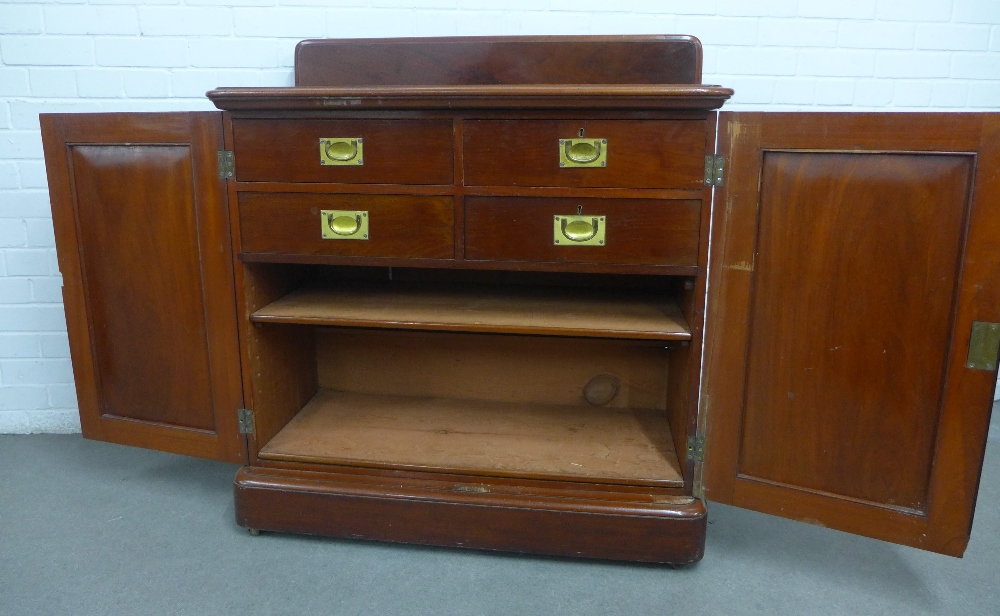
{"x":850,"y":363}
{"x":142,"y":226}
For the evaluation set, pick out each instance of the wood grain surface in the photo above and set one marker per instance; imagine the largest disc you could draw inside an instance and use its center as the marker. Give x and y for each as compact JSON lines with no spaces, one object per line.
{"x":844,"y":379}
{"x":645,"y":59}
{"x":554,"y":312}
{"x":852,"y":258}
{"x":638,"y":231}
{"x":143,"y":242}
{"x":120,"y":191}
{"x":395,"y":151}
{"x":400,"y":226}
{"x":563,"y":519}
{"x":640,"y":153}
{"x":602,"y":445}
{"x":566,"y":99}
{"x":280,"y":362}
{"x":512,"y":369}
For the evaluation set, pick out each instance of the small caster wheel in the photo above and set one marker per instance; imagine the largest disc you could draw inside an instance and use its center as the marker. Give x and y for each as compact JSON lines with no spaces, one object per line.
{"x":254,"y":532}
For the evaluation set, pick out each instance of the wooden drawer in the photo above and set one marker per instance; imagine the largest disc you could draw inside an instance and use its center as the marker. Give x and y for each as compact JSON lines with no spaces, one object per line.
{"x":399,"y":226}
{"x":394,"y":151}
{"x":640,"y":153}
{"x":637,"y":232}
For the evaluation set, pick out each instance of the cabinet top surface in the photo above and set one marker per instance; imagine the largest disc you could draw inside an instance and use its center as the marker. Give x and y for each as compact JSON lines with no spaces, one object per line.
{"x":603,"y":96}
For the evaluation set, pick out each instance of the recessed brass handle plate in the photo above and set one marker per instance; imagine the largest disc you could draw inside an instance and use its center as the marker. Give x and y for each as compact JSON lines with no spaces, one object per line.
{"x":578,"y":230}
{"x":583,"y":153}
{"x":341,"y":151}
{"x":344,"y":224}
{"x":984,"y":346}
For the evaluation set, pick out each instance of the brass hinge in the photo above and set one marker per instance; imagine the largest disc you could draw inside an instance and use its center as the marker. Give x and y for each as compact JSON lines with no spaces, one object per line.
{"x":245,"y":419}
{"x":227,"y":167}
{"x":984,"y":346}
{"x":696,"y":448}
{"x":715,"y":170}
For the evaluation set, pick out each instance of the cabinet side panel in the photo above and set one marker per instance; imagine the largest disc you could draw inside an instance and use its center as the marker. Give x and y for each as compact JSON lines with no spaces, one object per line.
{"x":281,"y":361}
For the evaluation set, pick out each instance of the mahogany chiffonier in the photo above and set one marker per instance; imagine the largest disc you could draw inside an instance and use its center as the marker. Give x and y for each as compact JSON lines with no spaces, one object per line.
{"x":538,"y":295}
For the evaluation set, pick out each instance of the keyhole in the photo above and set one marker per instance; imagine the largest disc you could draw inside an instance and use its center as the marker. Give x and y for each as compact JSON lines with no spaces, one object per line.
{"x":579,"y":210}
{"x":581,"y":132}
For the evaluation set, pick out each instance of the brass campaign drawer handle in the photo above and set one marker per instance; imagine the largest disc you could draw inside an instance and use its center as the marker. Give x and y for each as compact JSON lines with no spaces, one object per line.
{"x":341,"y":151}
{"x":583,"y":152}
{"x":344,"y":224}
{"x":578,"y":230}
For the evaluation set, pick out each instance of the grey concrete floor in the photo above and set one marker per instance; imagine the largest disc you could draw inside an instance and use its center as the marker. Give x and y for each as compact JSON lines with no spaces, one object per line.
{"x":92,"y":528}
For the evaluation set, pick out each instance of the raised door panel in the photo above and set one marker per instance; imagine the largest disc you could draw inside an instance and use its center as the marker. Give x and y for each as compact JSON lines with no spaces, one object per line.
{"x":142,"y":234}
{"x":852,"y":254}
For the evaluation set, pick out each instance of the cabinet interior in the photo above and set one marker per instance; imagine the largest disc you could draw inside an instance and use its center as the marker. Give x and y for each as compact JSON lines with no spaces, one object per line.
{"x":471,"y":372}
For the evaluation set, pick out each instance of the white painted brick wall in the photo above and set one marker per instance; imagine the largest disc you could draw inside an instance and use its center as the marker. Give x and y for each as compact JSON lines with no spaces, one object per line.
{"x":117,"y":55}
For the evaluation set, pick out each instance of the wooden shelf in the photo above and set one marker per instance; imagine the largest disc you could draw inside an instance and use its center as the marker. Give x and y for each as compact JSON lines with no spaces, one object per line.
{"x":581,"y":443}
{"x":544,"y":311}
